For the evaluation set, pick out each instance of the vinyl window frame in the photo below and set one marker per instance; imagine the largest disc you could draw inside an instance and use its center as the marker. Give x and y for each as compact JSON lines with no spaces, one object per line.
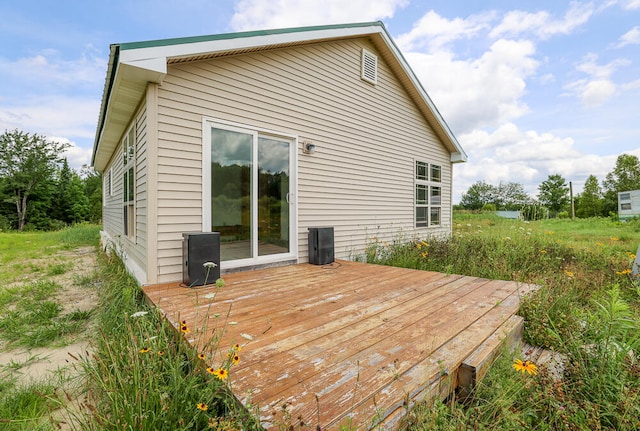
{"x":129,"y":183}
{"x":427,"y":194}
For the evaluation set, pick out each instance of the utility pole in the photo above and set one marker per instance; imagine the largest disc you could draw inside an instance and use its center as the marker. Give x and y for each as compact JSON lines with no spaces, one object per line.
{"x":573,"y":209}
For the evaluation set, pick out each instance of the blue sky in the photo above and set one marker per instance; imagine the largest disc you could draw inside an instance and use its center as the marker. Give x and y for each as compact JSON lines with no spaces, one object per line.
{"x":530,"y":88}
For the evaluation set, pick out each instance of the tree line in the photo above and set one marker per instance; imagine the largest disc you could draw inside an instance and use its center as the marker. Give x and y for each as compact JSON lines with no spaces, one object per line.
{"x":38,"y":189}
{"x":597,"y":199}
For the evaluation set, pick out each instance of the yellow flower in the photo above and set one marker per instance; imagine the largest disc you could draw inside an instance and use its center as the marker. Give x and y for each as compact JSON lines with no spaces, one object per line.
{"x":419,"y":246}
{"x":145,"y":350}
{"x":613,"y":238}
{"x":202,"y":406}
{"x":201,"y":356}
{"x":160,"y":352}
{"x":569,"y":273}
{"x":237,"y":347}
{"x":525,"y":367}
{"x":599,"y":243}
{"x":543,"y":251}
{"x":624,"y":272}
{"x":632,"y":256}
{"x":235,"y":358}
{"x":425,"y":254}
{"x":549,"y":232}
{"x":221,"y":374}
{"x":184,"y":328}
{"x":210,"y":370}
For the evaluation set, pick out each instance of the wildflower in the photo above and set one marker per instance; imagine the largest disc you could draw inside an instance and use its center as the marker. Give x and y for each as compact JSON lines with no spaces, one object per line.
{"x":549,"y":232}
{"x":221,"y":374}
{"x":145,"y":350}
{"x":543,"y":251}
{"x":569,"y":273}
{"x":201,"y":356}
{"x":425,"y":254}
{"x":624,"y":272}
{"x":525,"y":367}
{"x":211,"y":370}
{"x":237,"y":347}
{"x":202,"y":406}
{"x":139,"y":314}
{"x":632,"y":256}
{"x":219,"y":283}
{"x":209,"y":265}
{"x":613,"y":238}
{"x":184,"y":328}
{"x":419,"y":246}
{"x":235,"y":358}
{"x":160,"y":352}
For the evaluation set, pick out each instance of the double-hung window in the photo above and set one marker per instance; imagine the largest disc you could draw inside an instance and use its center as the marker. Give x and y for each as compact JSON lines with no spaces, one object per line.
{"x":128,"y":189}
{"x":428,"y":201}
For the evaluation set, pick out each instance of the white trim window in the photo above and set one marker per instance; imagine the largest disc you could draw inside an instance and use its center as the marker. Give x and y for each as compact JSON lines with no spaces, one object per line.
{"x":128,"y":183}
{"x":428,"y":194}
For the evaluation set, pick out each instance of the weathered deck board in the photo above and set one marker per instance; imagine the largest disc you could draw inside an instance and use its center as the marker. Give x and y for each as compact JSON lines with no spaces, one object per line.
{"x":357,"y":340}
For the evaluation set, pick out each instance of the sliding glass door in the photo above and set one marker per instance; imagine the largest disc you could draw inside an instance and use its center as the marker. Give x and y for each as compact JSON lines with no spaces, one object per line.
{"x":251,"y":194}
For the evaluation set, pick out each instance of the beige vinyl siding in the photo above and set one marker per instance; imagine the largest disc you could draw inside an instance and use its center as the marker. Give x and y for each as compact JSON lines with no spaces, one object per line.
{"x":135,"y":248}
{"x":360,"y":179}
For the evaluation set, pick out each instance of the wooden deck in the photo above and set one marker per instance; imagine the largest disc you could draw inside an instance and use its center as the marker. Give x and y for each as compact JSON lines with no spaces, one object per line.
{"x":348,"y":343}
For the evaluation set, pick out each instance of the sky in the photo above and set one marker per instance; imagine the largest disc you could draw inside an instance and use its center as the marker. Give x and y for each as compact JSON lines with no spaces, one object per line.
{"x":529,"y":88}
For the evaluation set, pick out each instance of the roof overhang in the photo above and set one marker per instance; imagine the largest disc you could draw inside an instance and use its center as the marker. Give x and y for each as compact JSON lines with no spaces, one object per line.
{"x":132,"y":66}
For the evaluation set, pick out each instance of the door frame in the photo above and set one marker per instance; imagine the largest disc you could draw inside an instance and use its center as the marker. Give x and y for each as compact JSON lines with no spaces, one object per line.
{"x":207,"y":124}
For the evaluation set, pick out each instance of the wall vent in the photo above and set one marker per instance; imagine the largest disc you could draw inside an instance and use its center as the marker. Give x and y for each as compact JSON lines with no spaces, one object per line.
{"x":369,"y":67}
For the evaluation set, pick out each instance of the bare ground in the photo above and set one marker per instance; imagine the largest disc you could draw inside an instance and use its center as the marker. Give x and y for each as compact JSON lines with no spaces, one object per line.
{"x":59,"y":363}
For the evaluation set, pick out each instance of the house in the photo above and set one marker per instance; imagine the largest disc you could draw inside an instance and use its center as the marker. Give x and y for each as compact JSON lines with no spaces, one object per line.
{"x":262,"y":135}
{"x":628,"y":204}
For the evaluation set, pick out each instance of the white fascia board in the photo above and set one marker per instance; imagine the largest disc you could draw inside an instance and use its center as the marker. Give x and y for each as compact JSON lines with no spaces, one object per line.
{"x":162,"y":53}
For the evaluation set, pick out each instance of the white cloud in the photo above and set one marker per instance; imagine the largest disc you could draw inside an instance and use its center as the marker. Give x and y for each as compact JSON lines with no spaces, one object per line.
{"x":260,"y":14}
{"x":480,"y":92}
{"x":599,"y":87}
{"x":631,"y":4}
{"x":434,"y":32}
{"x":542,"y":24}
{"x":76,"y":156}
{"x":632,"y":37}
{"x":509,"y":154}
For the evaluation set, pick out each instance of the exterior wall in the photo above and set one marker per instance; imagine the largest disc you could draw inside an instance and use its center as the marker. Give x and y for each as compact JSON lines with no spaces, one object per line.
{"x":629,"y":208}
{"x":133,"y":250}
{"x":360,"y":180}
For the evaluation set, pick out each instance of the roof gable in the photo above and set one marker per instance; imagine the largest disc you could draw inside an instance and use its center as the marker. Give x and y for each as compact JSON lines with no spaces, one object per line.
{"x":133,"y":65}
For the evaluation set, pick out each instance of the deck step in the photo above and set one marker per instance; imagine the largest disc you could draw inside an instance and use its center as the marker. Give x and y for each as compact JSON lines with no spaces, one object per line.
{"x":433,"y":378}
{"x":476,"y":365}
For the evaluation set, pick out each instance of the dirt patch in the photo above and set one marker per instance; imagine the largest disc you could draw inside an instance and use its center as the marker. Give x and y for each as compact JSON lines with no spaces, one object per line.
{"x":74,"y":270}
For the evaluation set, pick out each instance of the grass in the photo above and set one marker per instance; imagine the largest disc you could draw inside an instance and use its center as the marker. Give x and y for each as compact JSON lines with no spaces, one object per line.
{"x":31,"y":316}
{"x":143,"y":376}
{"x":587,"y":307}
{"x":25,"y":253}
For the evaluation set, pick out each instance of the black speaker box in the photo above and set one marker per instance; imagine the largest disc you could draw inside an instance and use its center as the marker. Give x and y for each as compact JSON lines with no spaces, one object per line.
{"x":197,"y":249}
{"x":321,"y":245}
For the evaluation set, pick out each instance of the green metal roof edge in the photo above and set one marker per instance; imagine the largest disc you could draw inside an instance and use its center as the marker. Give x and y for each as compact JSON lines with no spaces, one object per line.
{"x":238,"y":35}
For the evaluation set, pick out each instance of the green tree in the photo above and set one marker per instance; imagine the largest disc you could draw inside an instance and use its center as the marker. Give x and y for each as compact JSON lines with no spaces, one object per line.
{"x":554,"y":193}
{"x":479,"y":194}
{"x":70,"y":204}
{"x":27,"y":161}
{"x":624,"y":177}
{"x":92,"y":181}
{"x":590,"y":202}
{"x":62,"y":201}
{"x":511,"y":196}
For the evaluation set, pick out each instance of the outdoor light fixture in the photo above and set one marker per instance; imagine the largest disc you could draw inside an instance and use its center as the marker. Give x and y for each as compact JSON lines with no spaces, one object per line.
{"x":308,"y":147}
